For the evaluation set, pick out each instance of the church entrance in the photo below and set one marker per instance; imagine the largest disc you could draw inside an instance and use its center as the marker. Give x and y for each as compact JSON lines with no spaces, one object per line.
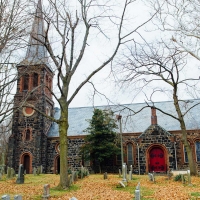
{"x":26,"y":160}
{"x":157,"y":160}
{"x":27,"y":163}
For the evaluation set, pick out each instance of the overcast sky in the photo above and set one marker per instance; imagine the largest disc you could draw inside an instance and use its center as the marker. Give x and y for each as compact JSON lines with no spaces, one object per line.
{"x":98,"y":50}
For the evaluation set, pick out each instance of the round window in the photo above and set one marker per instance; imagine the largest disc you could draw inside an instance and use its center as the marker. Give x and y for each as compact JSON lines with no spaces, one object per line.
{"x":28,"y":111}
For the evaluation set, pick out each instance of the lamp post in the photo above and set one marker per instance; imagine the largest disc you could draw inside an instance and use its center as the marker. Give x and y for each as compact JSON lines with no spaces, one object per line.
{"x":119,"y":118}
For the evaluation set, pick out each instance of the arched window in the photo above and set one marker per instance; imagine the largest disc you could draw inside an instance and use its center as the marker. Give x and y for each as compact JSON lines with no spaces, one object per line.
{"x":197,"y":149}
{"x":185,"y":155}
{"x":28,"y":135}
{"x":35,"y":79}
{"x":47,"y":84}
{"x":50,"y":83}
{"x":25,"y":82}
{"x":129,"y":154}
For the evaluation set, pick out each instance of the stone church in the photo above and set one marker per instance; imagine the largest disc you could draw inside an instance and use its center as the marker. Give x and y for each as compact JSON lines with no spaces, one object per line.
{"x":151,"y":140}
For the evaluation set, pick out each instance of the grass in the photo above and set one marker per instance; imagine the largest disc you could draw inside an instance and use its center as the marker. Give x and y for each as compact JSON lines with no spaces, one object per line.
{"x":161,"y":189}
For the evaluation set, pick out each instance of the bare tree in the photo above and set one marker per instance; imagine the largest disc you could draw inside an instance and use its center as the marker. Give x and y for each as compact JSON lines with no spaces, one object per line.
{"x":75,"y":27}
{"x":13,"y":28}
{"x":163,"y":66}
{"x":5,"y":132}
{"x":13,"y":25}
{"x":181,"y":19}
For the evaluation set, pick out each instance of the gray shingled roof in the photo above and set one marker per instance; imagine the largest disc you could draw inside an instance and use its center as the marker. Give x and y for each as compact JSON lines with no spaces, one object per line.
{"x":135,"y":123}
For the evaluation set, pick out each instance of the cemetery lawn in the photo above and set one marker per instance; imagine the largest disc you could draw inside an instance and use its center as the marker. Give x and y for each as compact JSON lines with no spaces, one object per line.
{"x":94,"y":187}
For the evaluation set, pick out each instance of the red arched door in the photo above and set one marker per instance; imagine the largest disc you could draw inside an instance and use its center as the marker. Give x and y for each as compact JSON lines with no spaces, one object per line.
{"x":157,"y":160}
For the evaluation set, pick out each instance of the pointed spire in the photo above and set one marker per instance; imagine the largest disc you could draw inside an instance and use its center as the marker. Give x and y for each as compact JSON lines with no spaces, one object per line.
{"x":36,"y":52}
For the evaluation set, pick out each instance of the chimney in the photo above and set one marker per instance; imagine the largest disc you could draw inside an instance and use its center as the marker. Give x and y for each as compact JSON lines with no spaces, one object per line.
{"x":153,"y":116}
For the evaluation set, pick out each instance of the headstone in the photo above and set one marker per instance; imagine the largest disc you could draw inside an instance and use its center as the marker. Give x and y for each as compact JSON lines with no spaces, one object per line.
{"x":73,"y":198}
{"x":120,"y":173}
{"x":122,"y":184}
{"x":34,"y":171}
{"x":56,"y":172}
{"x":81,"y":172}
{"x":24,"y":172}
{"x":124,"y":172}
{"x":8,"y":172}
{"x":2,"y":164}
{"x":130,"y":175}
{"x":105,"y":175}
{"x":18,"y":197}
{"x":182,"y":179}
{"x":189,"y":178}
{"x":12,"y":173}
{"x":41,"y":169}
{"x":38,"y":170}
{"x":75,"y":176}
{"x":137,"y":192}
{"x":5,"y":197}
{"x":46,"y":190}
{"x":20,"y":178}
{"x":131,"y":172}
{"x":0,"y":176}
{"x":151,"y":177}
{"x":70,"y":180}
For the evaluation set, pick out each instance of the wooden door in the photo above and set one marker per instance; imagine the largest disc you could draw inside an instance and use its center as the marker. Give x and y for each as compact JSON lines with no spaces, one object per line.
{"x":27,"y":164}
{"x":157,"y":160}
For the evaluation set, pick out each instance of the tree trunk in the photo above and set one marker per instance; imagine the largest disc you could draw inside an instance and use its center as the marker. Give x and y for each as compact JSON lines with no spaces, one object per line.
{"x":63,"y":128}
{"x":184,"y":140}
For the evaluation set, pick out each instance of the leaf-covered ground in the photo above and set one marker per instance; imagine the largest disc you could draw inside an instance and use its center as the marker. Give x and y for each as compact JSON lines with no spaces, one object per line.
{"x":95,"y":187}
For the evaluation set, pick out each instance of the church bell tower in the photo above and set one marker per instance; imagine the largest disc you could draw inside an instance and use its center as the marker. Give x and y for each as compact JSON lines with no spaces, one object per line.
{"x":28,"y":142}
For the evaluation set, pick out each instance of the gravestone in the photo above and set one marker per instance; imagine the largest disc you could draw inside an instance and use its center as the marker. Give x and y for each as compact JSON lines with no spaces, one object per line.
{"x":137,"y":192}
{"x":131,"y":172}
{"x":73,"y":198}
{"x":75,"y":176}
{"x":122,"y":184}
{"x":20,"y":178}
{"x":124,"y":172}
{"x":24,"y":172}
{"x":18,"y":197}
{"x":105,"y":175}
{"x":46,"y":190}
{"x":2,"y":163}
{"x":130,"y":175}
{"x":81,"y":172}
{"x":151,"y":177}
{"x":34,"y":171}
{"x":41,"y":169}
{"x":8,"y":172}
{"x":70,"y":180}
{"x":189,"y":178}
{"x":5,"y":197}
{"x":120,"y":173}
{"x":182,"y":179}
{"x":38,"y":170}
{"x":12,"y":173}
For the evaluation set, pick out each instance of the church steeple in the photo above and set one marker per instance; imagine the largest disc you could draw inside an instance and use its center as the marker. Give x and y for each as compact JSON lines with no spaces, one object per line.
{"x":36,"y":52}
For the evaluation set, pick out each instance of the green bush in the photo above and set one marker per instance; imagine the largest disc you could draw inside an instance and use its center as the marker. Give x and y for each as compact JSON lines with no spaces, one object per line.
{"x":178,"y":178}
